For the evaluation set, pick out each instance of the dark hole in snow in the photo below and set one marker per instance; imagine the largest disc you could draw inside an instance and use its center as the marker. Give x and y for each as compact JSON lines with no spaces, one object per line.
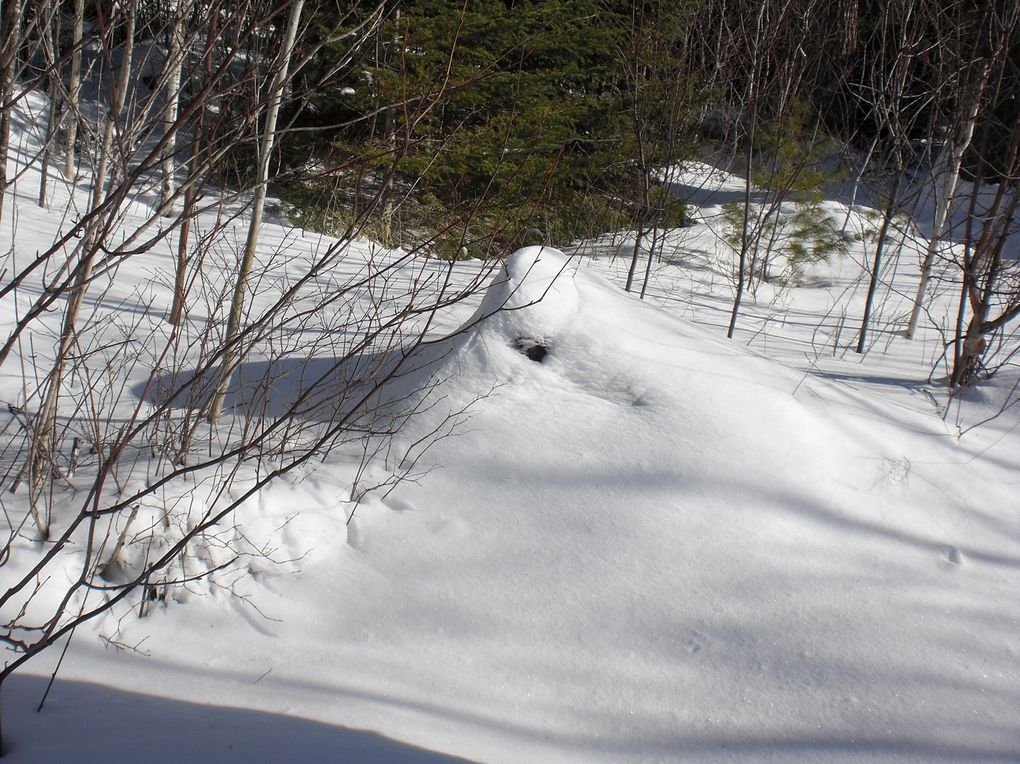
{"x":114,"y":572}
{"x":532,"y":348}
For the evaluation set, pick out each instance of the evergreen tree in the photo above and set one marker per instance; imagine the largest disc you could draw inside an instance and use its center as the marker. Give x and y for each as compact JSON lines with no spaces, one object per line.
{"x":515,"y":115}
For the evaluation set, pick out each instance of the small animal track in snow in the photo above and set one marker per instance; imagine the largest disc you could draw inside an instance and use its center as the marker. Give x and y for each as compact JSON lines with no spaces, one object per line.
{"x":953,"y":555}
{"x":694,"y":643}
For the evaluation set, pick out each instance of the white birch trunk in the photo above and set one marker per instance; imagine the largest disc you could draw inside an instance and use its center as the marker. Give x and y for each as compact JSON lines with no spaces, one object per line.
{"x":944,"y":200}
{"x":74,"y":88}
{"x":175,"y":61}
{"x":231,"y":354}
{"x":10,"y":21}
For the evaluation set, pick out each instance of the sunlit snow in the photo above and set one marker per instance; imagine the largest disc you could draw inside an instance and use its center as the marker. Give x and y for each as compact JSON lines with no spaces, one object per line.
{"x":651,"y":544}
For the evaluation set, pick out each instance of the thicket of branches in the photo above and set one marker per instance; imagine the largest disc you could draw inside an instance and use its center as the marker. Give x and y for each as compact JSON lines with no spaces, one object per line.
{"x":915,"y":96}
{"x":149,"y":414}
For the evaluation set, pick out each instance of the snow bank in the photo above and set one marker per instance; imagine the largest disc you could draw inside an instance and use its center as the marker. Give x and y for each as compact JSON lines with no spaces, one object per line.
{"x":653,"y":545}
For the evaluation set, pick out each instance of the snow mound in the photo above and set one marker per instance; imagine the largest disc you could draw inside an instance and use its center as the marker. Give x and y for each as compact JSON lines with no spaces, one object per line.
{"x":653,"y":545}
{"x":609,"y":346}
{"x":533,"y":296}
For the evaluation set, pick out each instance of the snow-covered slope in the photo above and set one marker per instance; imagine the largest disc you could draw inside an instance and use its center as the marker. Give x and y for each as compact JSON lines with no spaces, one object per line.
{"x":650,"y":545}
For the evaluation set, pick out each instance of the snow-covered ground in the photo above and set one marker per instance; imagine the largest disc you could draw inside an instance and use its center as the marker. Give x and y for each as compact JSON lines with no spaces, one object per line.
{"x":653,"y":545}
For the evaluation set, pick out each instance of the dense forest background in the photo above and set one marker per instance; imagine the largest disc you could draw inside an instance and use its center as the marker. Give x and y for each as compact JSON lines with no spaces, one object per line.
{"x":484,"y":123}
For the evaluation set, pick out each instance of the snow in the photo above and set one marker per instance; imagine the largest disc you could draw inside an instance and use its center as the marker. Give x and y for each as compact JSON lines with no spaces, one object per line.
{"x":652,"y":545}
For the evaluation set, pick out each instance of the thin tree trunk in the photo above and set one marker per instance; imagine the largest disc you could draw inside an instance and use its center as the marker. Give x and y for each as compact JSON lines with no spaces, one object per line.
{"x":231,"y":353}
{"x":53,"y":74}
{"x":198,"y":141}
{"x":648,"y":265}
{"x":982,"y":272}
{"x":175,"y":60}
{"x":744,"y":243}
{"x":961,"y":309}
{"x":858,"y":179}
{"x":753,"y":96}
{"x":638,"y":48}
{"x":883,"y":235}
{"x":74,"y":88}
{"x":944,"y":200}
{"x":386,"y":221}
{"x":181,"y":271}
{"x":10,"y":41}
{"x":48,"y":409}
{"x":99,"y":179}
{"x":645,"y":204}
{"x":636,"y":252}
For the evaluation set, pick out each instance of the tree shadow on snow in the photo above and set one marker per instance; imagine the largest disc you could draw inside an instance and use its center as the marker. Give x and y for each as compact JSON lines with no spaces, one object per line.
{"x":318,"y":389}
{"x":85,"y":723}
{"x":704,"y":196}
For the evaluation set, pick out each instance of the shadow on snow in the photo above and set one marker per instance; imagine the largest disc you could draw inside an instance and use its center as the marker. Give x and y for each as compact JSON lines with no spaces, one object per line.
{"x":86,"y":723}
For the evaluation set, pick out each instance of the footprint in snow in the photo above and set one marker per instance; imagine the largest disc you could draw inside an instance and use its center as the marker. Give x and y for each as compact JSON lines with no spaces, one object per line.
{"x":397,"y":505}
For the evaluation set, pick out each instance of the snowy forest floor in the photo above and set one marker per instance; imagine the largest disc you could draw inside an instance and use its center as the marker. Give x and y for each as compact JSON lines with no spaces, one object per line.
{"x":653,"y":545}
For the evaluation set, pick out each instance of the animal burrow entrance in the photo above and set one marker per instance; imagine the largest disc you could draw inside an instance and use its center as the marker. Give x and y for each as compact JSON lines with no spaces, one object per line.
{"x":533,"y":348}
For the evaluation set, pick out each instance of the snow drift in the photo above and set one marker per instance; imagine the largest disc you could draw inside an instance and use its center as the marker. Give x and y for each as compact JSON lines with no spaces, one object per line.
{"x":650,"y":545}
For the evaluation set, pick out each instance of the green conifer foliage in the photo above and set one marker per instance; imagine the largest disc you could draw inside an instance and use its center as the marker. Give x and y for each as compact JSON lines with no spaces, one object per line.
{"x":507,"y":118}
